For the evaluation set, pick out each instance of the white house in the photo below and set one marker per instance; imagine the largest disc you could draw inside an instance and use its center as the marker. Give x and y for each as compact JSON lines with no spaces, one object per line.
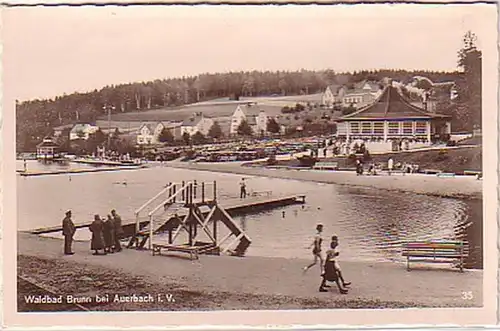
{"x":145,"y":135}
{"x":196,"y":123}
{"x":362,"y":94}
{"x":258,"y":122}
{"x":59,"y":129}
{"x":173,"y":127}
{"x":333,"y":94}
{"x":82,"y":131}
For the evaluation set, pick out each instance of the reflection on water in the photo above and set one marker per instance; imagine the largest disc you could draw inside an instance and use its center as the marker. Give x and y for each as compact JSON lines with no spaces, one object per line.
{"x":371,"y":224}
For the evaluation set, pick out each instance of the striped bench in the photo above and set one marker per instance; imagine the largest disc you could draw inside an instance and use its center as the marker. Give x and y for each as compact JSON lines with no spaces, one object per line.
{"x":435,"y":252}
{"x":326,"y":166}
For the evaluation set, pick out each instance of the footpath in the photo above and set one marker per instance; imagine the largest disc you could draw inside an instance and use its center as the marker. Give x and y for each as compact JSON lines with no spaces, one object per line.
{"x":377,"y":281}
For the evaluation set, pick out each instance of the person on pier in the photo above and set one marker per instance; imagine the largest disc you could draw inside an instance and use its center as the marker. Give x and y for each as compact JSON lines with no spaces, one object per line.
{"x":243,"y":189}
{"x":109,"y":234}
{"x":316,"y":248}
{"x":97,"y":242}
{"x":390,"y":165}
{"x":68,"y":229}
{"x":117,"y":222}
{"x":332,"y":272}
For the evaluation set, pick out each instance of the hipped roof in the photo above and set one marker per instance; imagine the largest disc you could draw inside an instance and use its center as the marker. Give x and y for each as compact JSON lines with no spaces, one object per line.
{"x":391,"y":105}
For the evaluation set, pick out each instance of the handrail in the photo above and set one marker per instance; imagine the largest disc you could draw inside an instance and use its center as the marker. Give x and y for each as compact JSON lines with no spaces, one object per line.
{"x":169,"y":198}
{"x":153,"y":198}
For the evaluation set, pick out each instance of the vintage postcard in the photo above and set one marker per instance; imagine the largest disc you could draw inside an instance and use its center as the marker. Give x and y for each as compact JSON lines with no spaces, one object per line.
{"x":250,"y":165}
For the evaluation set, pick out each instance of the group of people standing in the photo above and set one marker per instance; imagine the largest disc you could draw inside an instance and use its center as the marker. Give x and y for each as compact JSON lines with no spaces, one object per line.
{"x":106,"y":234}
{"x":330,"y":269}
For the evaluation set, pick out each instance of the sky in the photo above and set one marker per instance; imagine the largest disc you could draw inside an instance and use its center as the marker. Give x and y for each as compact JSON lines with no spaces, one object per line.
{"x":55,"y":50}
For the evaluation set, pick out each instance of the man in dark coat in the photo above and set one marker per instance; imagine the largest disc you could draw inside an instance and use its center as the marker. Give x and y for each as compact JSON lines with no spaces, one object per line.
{"x":68,"y":229}
{"x":117,"y":221}
{"x":97,"y":242}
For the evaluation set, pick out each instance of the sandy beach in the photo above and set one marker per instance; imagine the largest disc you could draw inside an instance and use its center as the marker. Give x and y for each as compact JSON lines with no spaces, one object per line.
{"x":224,"y":282}
{"x":465,"y":187}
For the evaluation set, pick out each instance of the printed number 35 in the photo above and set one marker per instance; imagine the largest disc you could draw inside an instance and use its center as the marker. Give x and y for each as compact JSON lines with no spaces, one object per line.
{"x":467,"y":295}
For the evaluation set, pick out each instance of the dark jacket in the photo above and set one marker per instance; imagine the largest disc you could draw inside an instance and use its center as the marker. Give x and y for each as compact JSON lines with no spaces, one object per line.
{"x":109,"y":232}
{"x":68,"y":227}
{"x":97,"y":236}
{"x":117,"y":221}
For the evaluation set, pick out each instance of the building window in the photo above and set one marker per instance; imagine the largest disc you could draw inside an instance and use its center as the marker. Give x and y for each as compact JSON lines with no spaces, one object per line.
{"x":407,"y":127}
{"x":393,"y":127}
{"x":421,"y":127}
{"x":354,"y":127}
{"x":366,"y":128}
{"x":378,"y":127}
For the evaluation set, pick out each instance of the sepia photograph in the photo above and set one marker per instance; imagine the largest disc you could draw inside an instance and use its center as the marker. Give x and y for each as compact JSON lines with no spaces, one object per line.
{"x":256,"y":160}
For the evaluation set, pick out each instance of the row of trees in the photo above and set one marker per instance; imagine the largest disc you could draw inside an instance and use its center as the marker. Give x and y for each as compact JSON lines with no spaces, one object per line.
{"x":35,"y":118}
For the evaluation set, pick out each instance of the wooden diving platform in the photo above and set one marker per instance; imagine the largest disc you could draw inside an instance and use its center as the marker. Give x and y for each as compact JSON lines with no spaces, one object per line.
{"x":234,"y":207}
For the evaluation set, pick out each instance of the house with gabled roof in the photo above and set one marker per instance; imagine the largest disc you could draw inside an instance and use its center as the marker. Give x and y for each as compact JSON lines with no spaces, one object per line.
{"x":392,"y":117}
{"x":173,"y":127}
{"x":333,"y":94}
{"x":361,"y":94}
{"x":145,"y":134}
{"x":196,"y":123}
{"x":253,"y":115}
{"x":82,"y":131}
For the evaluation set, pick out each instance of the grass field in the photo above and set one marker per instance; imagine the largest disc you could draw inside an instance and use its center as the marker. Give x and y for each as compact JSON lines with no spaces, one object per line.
{"x":220,"y":108}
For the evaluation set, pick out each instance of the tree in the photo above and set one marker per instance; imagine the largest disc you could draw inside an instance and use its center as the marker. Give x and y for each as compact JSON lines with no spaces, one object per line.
{"x":166,"y":136}
{"x":186,"y":137}
{"x":244,"y":129}
{"x":99,"y":137}
{"x":215,"y":131}
{"x":348,"y":110}
{"x":198,"y":138}
{"x":273,"y":126}
{"x":468,"y":110}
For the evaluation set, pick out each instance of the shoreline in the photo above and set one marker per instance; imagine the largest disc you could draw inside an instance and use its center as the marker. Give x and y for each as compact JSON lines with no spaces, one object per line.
{"x":229,"y":283}
{"x":454,"y":187}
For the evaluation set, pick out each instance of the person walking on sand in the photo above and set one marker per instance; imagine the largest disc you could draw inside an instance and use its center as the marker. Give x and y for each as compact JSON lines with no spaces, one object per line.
{"x":97,"y":242}
{"x":316,"y":248}
{"x":68,"y":229}
{"x":108,"y":232}
{"x":117,"y":222}
{"x":243,"y":189}
{"x":332,"y":271}
{"x":390,"y":165}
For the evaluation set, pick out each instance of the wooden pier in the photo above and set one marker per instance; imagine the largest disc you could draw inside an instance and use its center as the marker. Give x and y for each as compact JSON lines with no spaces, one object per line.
{"x":76,"y":171}
{"x":234,"y":207}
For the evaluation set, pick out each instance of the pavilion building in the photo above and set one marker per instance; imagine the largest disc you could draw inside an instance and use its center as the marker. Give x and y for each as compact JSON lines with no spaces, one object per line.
{"x":48,"y":149}
{"x":392,"y":120}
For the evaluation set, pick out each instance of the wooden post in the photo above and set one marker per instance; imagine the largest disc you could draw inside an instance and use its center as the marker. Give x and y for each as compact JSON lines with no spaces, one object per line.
{"x":183,"y":192}
{"x":202,"y":192}
{"x":151,"y":232}
{"x":174,"y":191}
{"x":215,"y":228}
{"x":195,"y":189}
{"x":170,"y":236}
{"x":137,"y":227}
{"x":215,"y":190}
{"x":169,"y":190}
{"x":190,"y":193}
{"x":190,"y":234}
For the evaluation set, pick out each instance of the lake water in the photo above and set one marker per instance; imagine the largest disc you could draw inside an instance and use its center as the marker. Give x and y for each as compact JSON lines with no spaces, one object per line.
{"x":370,"y":223}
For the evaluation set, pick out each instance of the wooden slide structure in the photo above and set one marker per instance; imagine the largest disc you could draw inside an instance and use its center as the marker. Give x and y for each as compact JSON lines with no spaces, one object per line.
{"x":180,"y":215}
